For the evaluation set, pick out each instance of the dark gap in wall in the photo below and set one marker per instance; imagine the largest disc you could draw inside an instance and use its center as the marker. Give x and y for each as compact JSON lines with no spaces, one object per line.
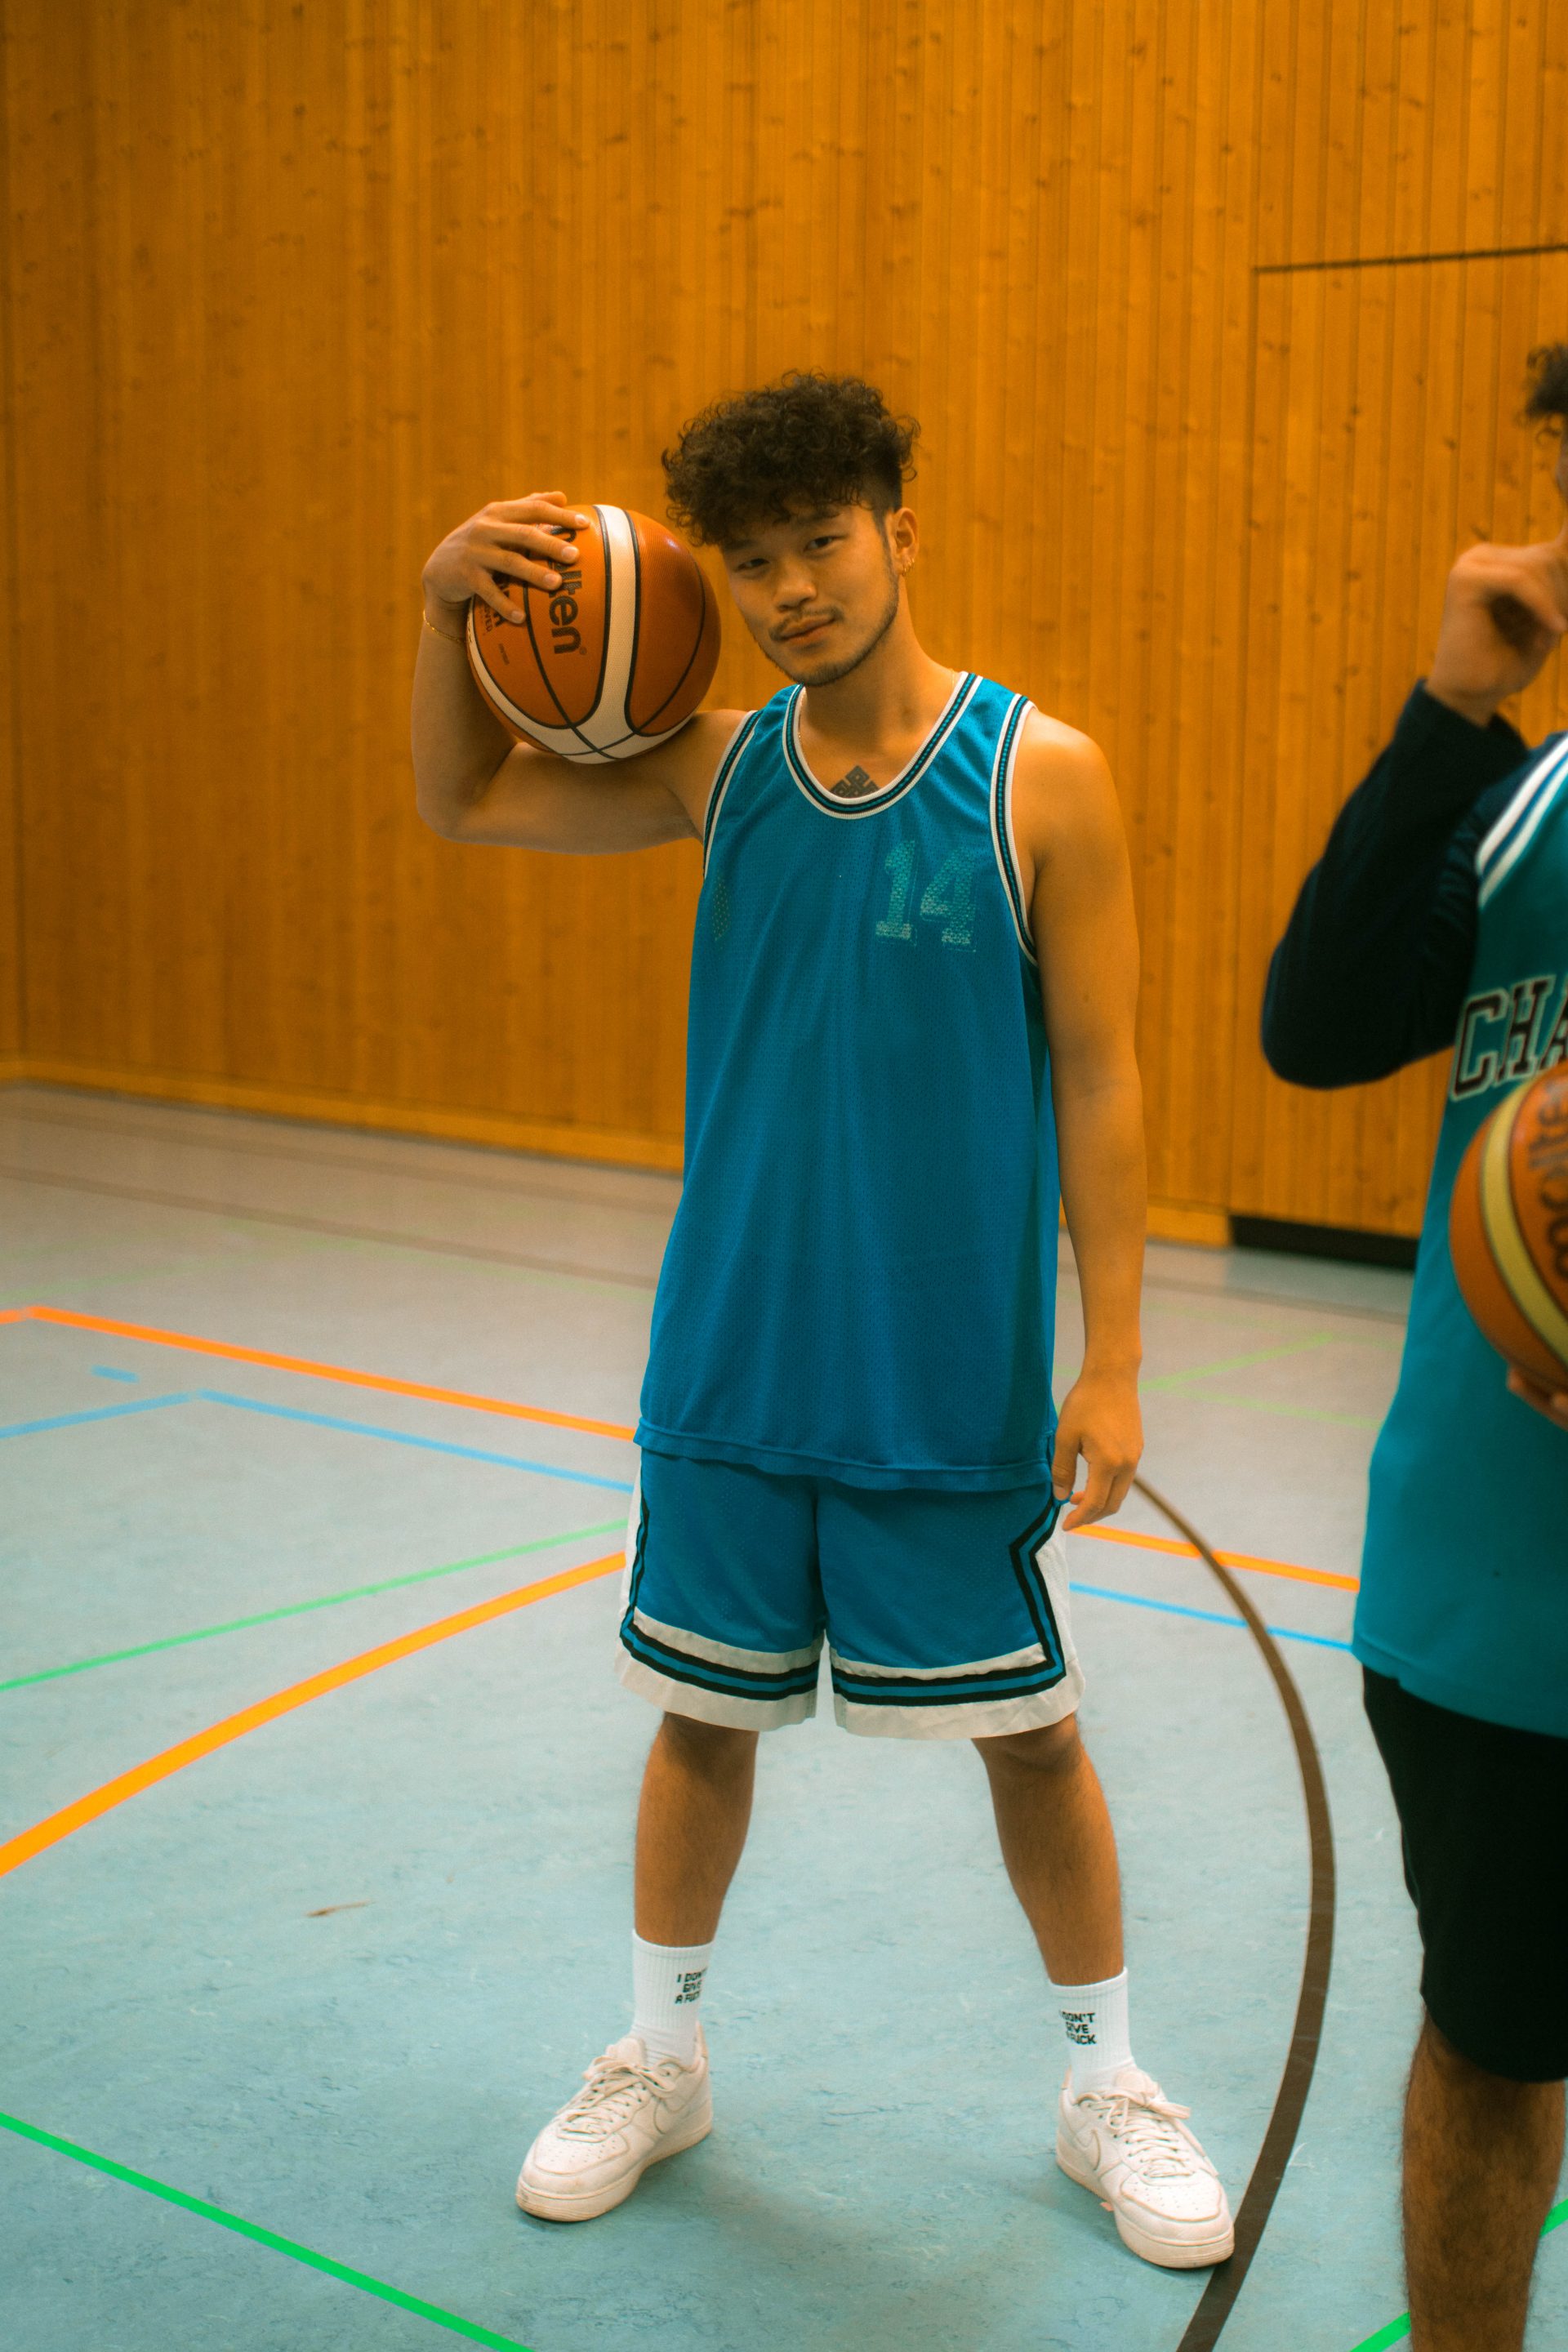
{"x":1324,"y":1241}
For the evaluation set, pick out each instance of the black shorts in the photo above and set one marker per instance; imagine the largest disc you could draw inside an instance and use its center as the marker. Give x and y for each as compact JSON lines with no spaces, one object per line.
{"x":1484,"y":1813}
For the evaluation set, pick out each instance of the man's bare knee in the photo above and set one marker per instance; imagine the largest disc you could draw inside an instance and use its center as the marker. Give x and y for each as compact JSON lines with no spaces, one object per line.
{"x":1053,"y":1748}
{"x":1477,"y":2085}
{"x":1446,"y":2058}
{"x":710,"y":1748}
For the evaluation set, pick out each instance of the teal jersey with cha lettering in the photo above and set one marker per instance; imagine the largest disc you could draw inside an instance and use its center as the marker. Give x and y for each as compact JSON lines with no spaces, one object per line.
{"x":860,"y":1281}
{"x":1464,"y":1595}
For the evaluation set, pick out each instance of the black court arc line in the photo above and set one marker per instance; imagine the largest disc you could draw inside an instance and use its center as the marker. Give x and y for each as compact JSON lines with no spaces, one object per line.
{"x":238,"y":1213}
{"x":1218,"y":2298}
{"x":199,"y":1139}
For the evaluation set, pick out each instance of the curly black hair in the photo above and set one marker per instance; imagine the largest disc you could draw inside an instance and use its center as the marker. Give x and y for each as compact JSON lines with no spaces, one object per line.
{"x":809,"y":440}
{"x":1548,"y":388}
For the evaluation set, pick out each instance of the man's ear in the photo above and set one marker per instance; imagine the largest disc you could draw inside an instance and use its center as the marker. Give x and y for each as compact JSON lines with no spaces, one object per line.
{"x":903,"y":536}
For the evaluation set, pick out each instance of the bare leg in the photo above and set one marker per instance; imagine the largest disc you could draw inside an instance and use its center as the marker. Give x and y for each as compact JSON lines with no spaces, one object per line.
{"x":1059,"y":1849}
{"x":1481,"y":2157}
{"x":691,"y":1826}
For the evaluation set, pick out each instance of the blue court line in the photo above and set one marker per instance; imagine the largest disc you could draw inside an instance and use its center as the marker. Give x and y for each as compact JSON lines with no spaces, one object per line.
{"x":402,"y":1437}
{"x":107,"y":1372}
{"x":1206,"y":1616}
{"x":573,"y":1478}
{"x":103,"y":1412}
{"x":318,"y":1421}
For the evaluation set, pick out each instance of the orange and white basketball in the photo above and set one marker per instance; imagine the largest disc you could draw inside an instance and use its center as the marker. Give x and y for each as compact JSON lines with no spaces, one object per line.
{"x":1507,"y":1227}
{"x":616,"y":658}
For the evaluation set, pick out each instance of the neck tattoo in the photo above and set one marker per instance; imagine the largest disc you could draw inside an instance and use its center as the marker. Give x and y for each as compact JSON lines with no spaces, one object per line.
{"x":853,"y":786}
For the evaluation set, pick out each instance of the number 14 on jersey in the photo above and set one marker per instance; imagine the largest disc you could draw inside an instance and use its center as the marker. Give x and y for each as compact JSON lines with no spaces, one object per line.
{"x":947,"y":900}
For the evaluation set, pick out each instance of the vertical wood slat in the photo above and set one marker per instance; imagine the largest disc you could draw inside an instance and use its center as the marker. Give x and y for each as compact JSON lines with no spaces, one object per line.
{"x":1444,"y":462}
{"x":12,"y":1009}
{"x":1428,"y":130}
{"x":290,"y":291}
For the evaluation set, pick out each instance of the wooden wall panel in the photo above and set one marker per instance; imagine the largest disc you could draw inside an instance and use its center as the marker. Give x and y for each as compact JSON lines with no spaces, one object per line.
{"x":1384,"y":438}
{"x":1435,"y":129}
{"x":11,"y":1001}
{"x":293,"y":289}
{"x":341,"y":274}
{"x":1382,"y":443}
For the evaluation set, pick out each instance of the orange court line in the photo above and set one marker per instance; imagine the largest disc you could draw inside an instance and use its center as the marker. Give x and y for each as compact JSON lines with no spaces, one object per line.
{"x":1225,"y":1558}
{"x":320,"y":1372}
{"x":49,"y":1831}
{"x":559,"y":1419}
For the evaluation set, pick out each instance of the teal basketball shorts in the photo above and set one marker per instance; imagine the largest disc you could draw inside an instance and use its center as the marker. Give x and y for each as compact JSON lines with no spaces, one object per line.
{"x":945,"y":1615}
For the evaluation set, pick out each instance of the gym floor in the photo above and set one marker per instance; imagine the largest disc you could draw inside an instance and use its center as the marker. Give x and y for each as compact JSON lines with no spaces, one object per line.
{"x":291,"y":1987}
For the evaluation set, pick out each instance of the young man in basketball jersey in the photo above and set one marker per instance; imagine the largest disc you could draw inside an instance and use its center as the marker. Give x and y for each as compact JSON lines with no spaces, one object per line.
{"x":1439,"y":918}
{"x":911,"y":999}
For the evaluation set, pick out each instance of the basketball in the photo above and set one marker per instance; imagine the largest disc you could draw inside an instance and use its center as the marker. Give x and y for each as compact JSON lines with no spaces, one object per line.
{"x":1507,"y":1227}
{"x":616,"y":658}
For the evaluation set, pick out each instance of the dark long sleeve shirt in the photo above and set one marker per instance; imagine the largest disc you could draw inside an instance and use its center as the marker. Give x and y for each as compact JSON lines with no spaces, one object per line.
{"x":1371,"y":970}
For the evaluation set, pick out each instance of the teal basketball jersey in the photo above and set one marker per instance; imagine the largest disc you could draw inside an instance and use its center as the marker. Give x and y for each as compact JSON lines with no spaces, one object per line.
{"x":1464,"y":1595}
{"x":860,"y":1282}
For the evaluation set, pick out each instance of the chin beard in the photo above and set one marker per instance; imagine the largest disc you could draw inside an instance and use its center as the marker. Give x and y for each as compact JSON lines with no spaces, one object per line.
{"x":845,"y":663}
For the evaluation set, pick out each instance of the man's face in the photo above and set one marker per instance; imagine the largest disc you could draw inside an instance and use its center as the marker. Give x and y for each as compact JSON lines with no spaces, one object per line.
{"x":821,"y":589}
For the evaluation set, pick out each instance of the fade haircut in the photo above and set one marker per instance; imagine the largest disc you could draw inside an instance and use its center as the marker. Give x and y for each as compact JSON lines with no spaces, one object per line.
{"x":805,"y":442}
{"x":1548,"y":401}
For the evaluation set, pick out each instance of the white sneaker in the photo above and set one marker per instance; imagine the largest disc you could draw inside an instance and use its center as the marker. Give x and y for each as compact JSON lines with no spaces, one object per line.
{"x":629,"y":2115}
{"x":1131,"y":2146}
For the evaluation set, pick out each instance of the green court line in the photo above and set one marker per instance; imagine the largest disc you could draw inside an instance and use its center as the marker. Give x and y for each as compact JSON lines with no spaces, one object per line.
{"x":252,"y":2230}
{"x":59,"y":1289}
{"x":327,"y":1601}
{"x":1164,"y":1384}
{"x":1297,"y":1411}
{"x":191,"y":1260}
{"x":1243,"y":1363}
{"x":1398,"y":2329}
{"x":1156,"y":1305}
{"x":1395,"y":2333}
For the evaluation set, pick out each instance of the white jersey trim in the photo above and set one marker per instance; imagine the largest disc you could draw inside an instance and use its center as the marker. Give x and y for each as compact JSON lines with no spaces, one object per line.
{"x":1004,"y":834}
{"x":1513,"y":833}
{"x":724,"y":776}
{"x":908,"y":775}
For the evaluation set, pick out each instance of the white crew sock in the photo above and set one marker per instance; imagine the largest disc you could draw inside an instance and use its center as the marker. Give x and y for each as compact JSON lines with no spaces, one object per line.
{"x":1094,"y":2017}
{"x":666,"y":1997}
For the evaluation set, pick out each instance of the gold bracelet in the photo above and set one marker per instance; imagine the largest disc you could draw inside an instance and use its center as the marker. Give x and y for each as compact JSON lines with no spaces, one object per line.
{"x":445,"y":634}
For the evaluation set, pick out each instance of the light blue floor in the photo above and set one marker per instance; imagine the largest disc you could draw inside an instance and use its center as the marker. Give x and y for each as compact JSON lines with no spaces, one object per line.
{"x":363,"y":2082}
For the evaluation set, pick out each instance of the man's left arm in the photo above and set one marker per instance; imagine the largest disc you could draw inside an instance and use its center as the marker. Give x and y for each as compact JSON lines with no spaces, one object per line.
{"x":1077,"y":884}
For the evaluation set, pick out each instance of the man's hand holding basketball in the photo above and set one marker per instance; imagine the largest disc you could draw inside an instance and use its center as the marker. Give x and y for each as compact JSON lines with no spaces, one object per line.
{"x":1506,"y":608}
{"x":1552,"y":1404}
{"x":1101,"y":1420}
{"x":516,"y":538}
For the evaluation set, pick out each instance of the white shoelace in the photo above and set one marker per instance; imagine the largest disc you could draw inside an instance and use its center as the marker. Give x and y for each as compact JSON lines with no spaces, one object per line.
{"x":615,"y":2092}
{"x":1146,"y":2129}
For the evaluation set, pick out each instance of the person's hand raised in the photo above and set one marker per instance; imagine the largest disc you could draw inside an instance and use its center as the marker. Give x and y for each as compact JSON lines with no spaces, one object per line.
{"x":530,"y":539}
{"x":1506,"y":608}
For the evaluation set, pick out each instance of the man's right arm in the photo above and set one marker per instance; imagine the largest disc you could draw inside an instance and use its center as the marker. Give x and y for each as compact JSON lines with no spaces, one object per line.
{"x":1371,"y":971}
{"x":473,"y":783}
